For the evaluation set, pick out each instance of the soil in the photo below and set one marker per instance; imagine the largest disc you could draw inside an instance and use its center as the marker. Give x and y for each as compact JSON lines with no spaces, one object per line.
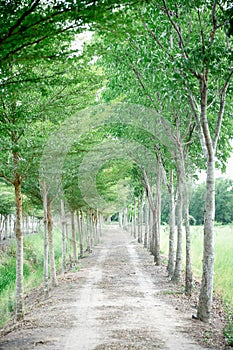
{"x":118,"y":299}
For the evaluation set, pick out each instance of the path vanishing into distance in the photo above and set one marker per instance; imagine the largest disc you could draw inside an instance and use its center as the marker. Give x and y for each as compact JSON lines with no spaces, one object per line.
{"x":115,"y":301}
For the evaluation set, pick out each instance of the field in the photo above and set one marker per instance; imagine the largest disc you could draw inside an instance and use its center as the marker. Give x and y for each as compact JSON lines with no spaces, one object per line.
{"x":33,"y":270}
{"x":223,"y":280}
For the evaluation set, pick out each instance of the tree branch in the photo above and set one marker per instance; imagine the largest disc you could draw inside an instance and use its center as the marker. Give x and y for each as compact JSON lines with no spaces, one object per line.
{"x":221,"y":109}
{"x":37,"y":41}
{"x":7,"y":178}
{"x":20,"y":20}
{"x":177,"y":29}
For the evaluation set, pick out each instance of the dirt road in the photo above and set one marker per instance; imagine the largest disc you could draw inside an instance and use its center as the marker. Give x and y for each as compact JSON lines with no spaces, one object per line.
{"x":114,"y":302}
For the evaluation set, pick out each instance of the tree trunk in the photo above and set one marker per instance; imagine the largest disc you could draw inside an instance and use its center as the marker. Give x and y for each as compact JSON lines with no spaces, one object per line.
{"x":120,"y":218}
{"x":157,"y":215}
{"x":125,"y":219}
{"x":10,"y":226}
{"x":178,"y":266}
{"x":188,"y":263}
{"x":100,"y":224}
{"x":146,"y":221}
{"x":80,"y":230}
{"x":6,"y":227}
{"x":97,"y":226}
{"x":185,"y":200}
{"x":139,"y":219}
{"x":53,"y":276}
{"x":135,"y":219}
{"x":19,"y":244}
{"x":74,"y":237}
{"x":206,"y":293}
{"x":151,"y":223}
{"x":46,"y":250}
{"x":172,"y":223}
{"x":63,"y":222}
{"x":68,"y":243}
{"x":88,"y":234}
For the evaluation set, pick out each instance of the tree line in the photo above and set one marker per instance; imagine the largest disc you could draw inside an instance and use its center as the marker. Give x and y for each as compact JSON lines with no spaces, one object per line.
{"x":110,"y":124}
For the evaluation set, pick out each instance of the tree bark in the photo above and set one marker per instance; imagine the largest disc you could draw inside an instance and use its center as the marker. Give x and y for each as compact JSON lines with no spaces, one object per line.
{"x":139,"y":219}
{"x":146,"y":221}
{"x":135,"y":219}
{"x":68,"y":243}
{"x":19,"y":243}
{"x":120,"y":218}
{"x":88,"y":234}
{"x":157,"y":215}
{"x":80,"y":231}
{"x":100,"y":223}
{"x":125,"y":219}
{"x":172,"y":223}
{"x":74,"y":237}
{"x":185,"y":202}
{"x":63,"y":222}
{"x":46,"y":250}
{"x":206,"y":293}
{"x":178,"y":266}
{"x":188,"y":262}
{"x":53,"y":275}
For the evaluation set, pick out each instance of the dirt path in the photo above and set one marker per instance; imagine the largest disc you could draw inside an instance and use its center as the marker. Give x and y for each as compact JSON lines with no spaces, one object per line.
{"x":114,"y":302}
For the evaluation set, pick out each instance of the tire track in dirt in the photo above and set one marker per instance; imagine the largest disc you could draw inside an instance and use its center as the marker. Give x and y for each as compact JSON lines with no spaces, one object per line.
{"x":112,"y":303}
{"x":124,"y":310}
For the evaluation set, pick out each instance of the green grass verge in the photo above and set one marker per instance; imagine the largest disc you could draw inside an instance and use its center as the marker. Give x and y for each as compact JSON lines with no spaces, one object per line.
{"x":223,"y":266}
{"x":33,"y":270}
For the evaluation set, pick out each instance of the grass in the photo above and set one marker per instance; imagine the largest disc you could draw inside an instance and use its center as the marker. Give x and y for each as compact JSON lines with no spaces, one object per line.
{"x":33,"y":270}
{"x":223,"y":281}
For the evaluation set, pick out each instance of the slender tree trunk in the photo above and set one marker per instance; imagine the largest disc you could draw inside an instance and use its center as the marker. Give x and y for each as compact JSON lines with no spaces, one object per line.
{"x":19,"y":244}
{"x":74,"y":237}
{"x":188,"y":264}
{"x":80,"y":231}
{"x":172,"y":223}
{"x":88,"y":234}
{"x":63,"y":222}
{"x":146,"y":221}
{"x":206,"y":293}
{"x":53,"y":275}
{"x":68,"y":243}
{"x":125,"y":219}
{"x":185,"y":198}
{"x":178,"y":266}
{"x":151,"y":218}
{"x":1,"y":226}
{"x":90,"y":224}
{"x":97,"y":226}
{"x":10,"y":226}
{"x":6,"y":227}
{"x":121,"y":218}
{"x":135,"y":219}
{"x":139,"y":219}
{"x":100,"y":223}
{"x":157,"y":215}
{"x":46,"y":249}
{"x":94,"y":226}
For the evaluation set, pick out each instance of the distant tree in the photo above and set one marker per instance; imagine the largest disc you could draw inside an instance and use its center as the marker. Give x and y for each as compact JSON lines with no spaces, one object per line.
{"x":223,"y":202}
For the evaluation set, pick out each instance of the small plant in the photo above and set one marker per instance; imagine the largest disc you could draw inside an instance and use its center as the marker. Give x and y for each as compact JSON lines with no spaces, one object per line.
{"x":228,"y":329}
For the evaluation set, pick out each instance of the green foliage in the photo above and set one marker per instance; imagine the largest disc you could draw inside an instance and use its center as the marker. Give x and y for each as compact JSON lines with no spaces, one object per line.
{"x":7,"y":202}
{"x":7,"y":272}
{"x":223,"y":202}
{"x":228,"y":329}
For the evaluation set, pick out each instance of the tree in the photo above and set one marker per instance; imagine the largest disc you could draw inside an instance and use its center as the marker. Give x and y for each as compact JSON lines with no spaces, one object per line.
{"x":193,"y":57}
